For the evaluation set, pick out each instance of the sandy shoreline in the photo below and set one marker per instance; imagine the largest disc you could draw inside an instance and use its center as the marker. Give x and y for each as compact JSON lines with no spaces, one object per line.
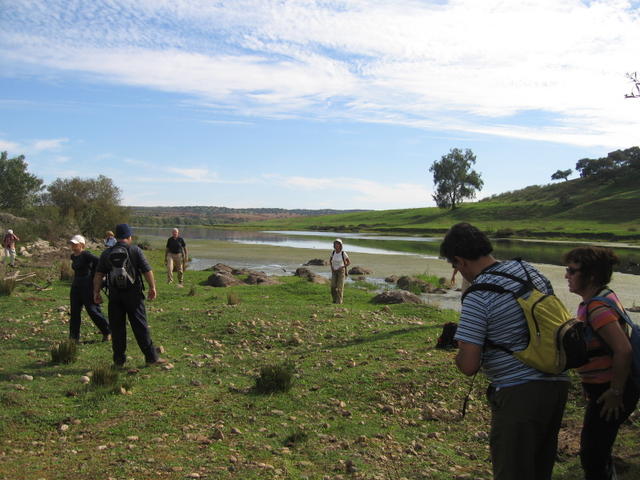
{"x":284,"y":260}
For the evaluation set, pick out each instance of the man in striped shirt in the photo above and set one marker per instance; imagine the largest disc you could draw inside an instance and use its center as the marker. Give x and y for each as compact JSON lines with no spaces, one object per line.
{"x":526,"y":404}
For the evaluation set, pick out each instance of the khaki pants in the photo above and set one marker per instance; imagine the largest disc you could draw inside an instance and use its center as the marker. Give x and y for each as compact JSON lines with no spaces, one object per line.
{"x":337,"y":285}
{"x":10,"y":256}
{"x":177,"y":260}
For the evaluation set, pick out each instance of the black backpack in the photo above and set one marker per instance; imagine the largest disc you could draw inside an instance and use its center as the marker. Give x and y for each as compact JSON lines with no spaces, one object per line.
{"x":122,"y":274}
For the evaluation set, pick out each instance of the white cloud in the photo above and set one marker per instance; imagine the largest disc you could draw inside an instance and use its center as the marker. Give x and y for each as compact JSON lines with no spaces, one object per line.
{"x":48,"y":144}
{"x":199,"y":175}
{"x":492,"y":67}
{"x":10,"y":147}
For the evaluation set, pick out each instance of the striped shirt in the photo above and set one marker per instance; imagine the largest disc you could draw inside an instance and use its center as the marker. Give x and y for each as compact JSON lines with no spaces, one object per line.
{"x":499,"y":318}
{"x":598,"y":369}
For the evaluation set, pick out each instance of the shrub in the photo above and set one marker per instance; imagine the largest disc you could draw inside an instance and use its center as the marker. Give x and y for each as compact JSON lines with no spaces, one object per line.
{"x":296,"y":438}
{"x":7,"y":284}
{"x":64,"y":352}
{"x":66,"y":272}
{"x":233,"y":299}
{"x":105,"y":376}
{"x":275,"y":378}
{"x":144,"y":244}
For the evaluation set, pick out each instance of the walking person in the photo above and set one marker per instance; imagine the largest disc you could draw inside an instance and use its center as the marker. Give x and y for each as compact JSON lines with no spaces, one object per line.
{"x":609,"y":389}
{"x":84,"y":264}
{"x":9,"y":245}
{"x":526,"y":404}
{"x":124,"y":265}
{"x":176,"y":254}
{"x":339,"y":261}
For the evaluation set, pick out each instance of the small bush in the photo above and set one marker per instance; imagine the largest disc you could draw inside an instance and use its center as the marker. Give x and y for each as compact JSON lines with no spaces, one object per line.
{"x":64,"y":352}
{"x":66,"y":272}
{"x":296,"y":438}
{"x":144,"y":244}
{"x":105,"y":376}
{"x":7,"y":285}
{"x":233,"y":299}
{"x":275,"y":378}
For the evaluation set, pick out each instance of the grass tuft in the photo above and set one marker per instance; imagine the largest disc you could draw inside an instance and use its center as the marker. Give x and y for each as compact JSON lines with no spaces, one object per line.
{"x":105,"y":376}
{"x":65,"y":352}
{"x":233,"y":298}
{"x":275,"y":378}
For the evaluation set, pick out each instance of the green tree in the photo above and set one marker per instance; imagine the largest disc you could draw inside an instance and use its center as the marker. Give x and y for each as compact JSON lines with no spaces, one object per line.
{"x":562,"y":174}
{"x":18,"y":188}
{"x":94,"y":204}
{"x":454,"y":179}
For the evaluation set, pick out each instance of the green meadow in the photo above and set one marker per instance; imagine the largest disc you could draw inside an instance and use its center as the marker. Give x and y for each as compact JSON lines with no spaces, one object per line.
{"x":371,"y":398}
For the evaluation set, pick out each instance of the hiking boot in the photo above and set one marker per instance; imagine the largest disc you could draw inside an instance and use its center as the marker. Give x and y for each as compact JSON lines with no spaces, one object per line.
{"x":180,"y":285}
{"x":117,"y":366}
{"x":106,"y":337}
{"x":159,"y":361}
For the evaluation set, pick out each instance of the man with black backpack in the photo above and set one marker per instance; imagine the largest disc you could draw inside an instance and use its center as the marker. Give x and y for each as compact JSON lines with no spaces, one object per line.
{"x":526,"y":404}
{"x":124,"y":265}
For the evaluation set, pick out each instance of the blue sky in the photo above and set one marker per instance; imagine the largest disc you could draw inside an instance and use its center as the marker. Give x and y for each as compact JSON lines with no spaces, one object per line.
{"x":313,"y":104}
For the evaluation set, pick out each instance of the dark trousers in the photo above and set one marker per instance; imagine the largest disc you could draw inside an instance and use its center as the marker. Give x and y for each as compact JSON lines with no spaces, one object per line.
{"x":129,"y":304}
{"x":81,"y":295}
{"x":524,"y":429}
{"x":598,"y":434}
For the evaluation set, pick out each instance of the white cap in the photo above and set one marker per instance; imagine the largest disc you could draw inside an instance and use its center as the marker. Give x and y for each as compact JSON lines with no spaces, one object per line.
{"x":10,"y":231}
{"x":338,"y":240}
{"x":78,"y":239}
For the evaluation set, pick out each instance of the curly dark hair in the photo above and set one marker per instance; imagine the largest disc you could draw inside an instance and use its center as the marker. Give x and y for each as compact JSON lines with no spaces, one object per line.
{"x":465,"y":241}
{"x":596,"y":264}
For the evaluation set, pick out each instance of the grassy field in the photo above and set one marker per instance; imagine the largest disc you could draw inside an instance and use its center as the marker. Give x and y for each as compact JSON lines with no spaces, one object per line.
{"x":371,"y":397}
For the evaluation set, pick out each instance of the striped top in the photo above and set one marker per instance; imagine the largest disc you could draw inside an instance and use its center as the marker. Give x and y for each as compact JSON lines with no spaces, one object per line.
{"x":499,"y":318}
{"x":598,"y":369}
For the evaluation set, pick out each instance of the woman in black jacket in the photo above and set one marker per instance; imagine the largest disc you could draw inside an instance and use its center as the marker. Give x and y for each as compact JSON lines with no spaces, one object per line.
{"x":84,"y":264}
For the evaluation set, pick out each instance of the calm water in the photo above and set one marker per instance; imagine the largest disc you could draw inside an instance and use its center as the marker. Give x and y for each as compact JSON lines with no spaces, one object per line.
{"x":532,"y":251}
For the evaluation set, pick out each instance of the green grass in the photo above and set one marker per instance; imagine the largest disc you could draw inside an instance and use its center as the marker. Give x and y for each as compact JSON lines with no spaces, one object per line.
{"x":364,"y":377}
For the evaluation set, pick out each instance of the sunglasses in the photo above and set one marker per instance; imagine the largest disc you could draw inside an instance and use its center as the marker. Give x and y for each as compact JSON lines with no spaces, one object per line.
{"x":572,"y":271}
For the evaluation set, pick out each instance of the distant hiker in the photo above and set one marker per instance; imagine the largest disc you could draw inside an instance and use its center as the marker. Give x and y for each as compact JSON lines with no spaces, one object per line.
{"x":176,"y":253}
{"x":84,"y":264}
{"x":339,"y":262}
{"x":109,"y":239}
{"x":526,"y":404}
{"x":124,"y":265}
{"x":611,"y":393}
{"x":9,"y":245}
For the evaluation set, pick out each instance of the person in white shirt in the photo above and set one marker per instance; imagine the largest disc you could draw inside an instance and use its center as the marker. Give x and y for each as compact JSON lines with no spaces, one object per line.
{"x":339,"y":262}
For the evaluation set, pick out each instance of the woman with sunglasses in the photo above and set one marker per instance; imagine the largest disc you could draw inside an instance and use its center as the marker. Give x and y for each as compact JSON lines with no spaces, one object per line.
{"x":610,"y":392}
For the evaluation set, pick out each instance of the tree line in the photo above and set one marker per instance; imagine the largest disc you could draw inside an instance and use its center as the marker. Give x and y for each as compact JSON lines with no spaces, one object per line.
{"x":89,"y":206}
{"x":605,"y":168}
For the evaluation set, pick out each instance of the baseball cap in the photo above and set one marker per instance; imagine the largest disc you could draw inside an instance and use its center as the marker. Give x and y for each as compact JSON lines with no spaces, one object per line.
{"x":78,"y":239}
{"x":123,"y":231}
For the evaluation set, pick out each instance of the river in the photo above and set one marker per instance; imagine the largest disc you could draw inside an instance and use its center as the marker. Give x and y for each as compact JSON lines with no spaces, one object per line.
{"x":281,"y":252}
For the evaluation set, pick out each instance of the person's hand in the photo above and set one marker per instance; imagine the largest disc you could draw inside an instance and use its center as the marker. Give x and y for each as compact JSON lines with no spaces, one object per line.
{"x":611,"y":405}
{"x":152,"y":293}
{"x":97,"y":298}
